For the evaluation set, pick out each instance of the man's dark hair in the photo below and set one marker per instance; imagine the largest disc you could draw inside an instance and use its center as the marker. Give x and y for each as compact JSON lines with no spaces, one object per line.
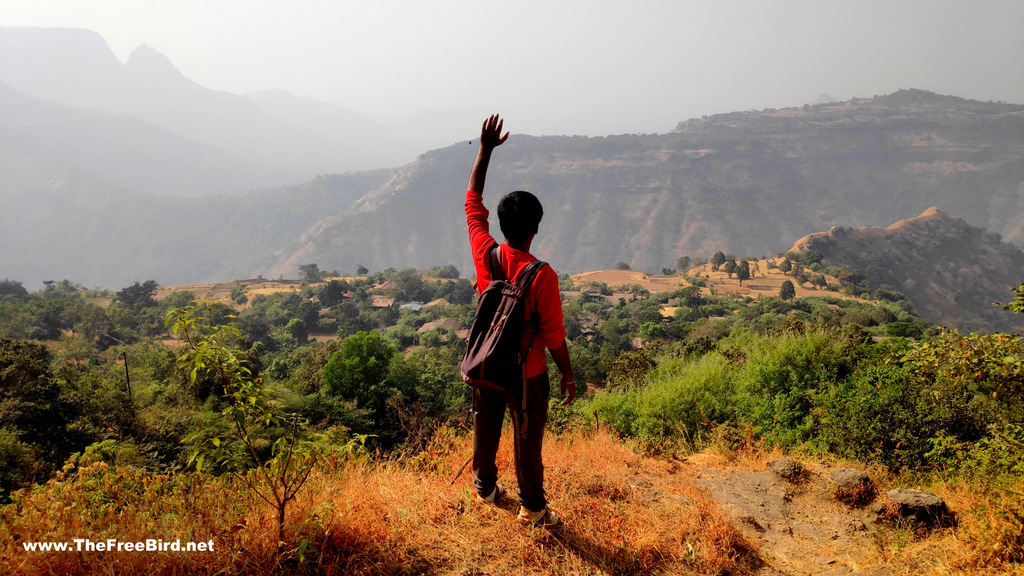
{"x":519,"y":215}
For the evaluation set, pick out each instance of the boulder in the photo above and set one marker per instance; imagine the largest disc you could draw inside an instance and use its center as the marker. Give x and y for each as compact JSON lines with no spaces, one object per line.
{"x":850,"y":478}
{"x":919,"y":506}
{"x":785,"y":467}
{"x":852,"y":486}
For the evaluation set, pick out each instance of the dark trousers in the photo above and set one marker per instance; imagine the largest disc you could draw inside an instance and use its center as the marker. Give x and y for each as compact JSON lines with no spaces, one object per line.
{"x":490,"y":413}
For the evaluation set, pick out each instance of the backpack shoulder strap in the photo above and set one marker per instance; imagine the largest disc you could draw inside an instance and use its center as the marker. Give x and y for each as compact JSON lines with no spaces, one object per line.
{"x":525,"y":279}
{"x":497,"y":273}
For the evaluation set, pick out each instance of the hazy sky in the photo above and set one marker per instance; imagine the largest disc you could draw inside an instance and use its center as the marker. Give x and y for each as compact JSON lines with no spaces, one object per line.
{"x":567,"y":66}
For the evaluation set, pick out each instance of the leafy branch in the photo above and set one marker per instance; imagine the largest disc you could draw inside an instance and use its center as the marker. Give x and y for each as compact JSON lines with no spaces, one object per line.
{"x":277,"y":477}
{"x":1017,"y":304}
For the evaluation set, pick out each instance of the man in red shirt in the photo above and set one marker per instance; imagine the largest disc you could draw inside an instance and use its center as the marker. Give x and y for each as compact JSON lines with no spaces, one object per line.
{"x":519,"y":215}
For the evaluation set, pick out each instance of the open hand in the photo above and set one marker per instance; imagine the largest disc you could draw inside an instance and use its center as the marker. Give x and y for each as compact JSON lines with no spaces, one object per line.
{"x":569,"y":391}
{"x":490,"y":133}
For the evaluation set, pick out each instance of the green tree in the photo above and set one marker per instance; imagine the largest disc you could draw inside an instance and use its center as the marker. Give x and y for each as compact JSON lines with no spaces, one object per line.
{"x":787,"y":291}
{"x":456,"y":292}
{"x":743,"y":271}
{"x":448,"y":272}
{"x":308,"y":312}
{"x":412,"y":286}
{"x":333,"y":293}
{"x":904,"y":330}
{"x":310,"y":273}
{"x":53,"y":313}
{"x":238,"y":295}
{"x":683,"y":263}
{"x":1017,"y":304}
{"x":297,"y":328}
{"x":179,"y":299}
{"x":12,"y":290}
{"x":622,"y":266}
{"x":138,"y":294}
{"x":717,"y":260}
{"x":730,"y":267}
{"x":359,"y":371}
{"x":30,"y":398}
{"x":630,"y":369}
{"x":786,"y":265}
{"x":275,"y":476}
{"x":362,"y":270}
{"x":651,"y":331}
{"x":15,"y":462}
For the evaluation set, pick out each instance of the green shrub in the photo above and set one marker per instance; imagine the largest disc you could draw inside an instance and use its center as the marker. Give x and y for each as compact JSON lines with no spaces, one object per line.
{"x":238,"y":295}
{"x":683,"y":399}
{"x":880,"y":414}
{"x":997,"y":458}
{"x":784,"y":376}
{"x":629,"y":369}
{"x":904,"y":330}
{"x":1001,"y":452}
{"x":890,"y":414}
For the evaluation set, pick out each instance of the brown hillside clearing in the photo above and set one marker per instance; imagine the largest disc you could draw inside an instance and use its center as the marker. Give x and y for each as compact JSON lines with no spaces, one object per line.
{"x":221,"y":291}
{"x":765,"y":283}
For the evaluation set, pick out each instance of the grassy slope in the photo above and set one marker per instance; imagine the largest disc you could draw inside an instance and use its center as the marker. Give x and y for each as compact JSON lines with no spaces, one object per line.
{"x":624,"y":514}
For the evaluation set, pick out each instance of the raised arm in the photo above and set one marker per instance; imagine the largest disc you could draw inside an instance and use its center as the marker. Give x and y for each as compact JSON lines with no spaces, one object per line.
{"x":490,"y":138}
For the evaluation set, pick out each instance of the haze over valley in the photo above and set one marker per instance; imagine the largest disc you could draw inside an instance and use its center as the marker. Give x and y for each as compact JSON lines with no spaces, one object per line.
{"x":118,"y":172}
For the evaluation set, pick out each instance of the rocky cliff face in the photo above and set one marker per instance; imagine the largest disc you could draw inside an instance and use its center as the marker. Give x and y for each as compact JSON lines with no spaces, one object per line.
{"x":951,"y":272}
{"x":746,"y":183}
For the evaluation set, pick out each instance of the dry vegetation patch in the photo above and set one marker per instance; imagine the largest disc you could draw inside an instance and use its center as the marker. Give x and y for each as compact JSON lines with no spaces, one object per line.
{"x":623,"y":514}
{"x":717,"y":512}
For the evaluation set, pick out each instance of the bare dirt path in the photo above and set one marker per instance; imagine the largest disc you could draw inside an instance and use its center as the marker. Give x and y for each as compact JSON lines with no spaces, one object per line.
{"x":799,"y":527}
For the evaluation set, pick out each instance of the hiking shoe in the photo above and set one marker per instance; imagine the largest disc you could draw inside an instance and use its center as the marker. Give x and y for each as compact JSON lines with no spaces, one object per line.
{"x":495,"y":496}
{"x":545,"y":518}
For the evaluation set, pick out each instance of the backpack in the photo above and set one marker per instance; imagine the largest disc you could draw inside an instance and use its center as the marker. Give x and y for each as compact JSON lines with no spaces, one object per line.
{"x":494,"y":355}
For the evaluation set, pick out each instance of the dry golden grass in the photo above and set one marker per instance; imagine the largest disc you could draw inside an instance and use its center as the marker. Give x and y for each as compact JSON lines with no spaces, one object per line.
{"x":623,"y":513}
{"x":988,"y":534}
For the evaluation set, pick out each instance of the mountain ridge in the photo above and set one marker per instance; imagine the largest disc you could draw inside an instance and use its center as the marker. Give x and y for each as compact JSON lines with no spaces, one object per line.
{"x":745,"y":182}
{"x":951,"y":272}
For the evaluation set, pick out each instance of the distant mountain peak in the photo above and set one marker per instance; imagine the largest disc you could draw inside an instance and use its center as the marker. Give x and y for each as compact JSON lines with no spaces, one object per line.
{"x":951,"y":271}
{"x":146,"y":59}
{"x":918,"y":97}
{"x":930,"y":216}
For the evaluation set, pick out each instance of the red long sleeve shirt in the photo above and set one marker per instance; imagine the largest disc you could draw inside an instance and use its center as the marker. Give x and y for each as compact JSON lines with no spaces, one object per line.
{"x":543,"y":301}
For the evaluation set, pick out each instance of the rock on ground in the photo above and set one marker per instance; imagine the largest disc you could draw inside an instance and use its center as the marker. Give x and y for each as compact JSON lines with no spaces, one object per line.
{"x":785,"y":467}
{"x":849,"y":478}
{"x":921,"y":506}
